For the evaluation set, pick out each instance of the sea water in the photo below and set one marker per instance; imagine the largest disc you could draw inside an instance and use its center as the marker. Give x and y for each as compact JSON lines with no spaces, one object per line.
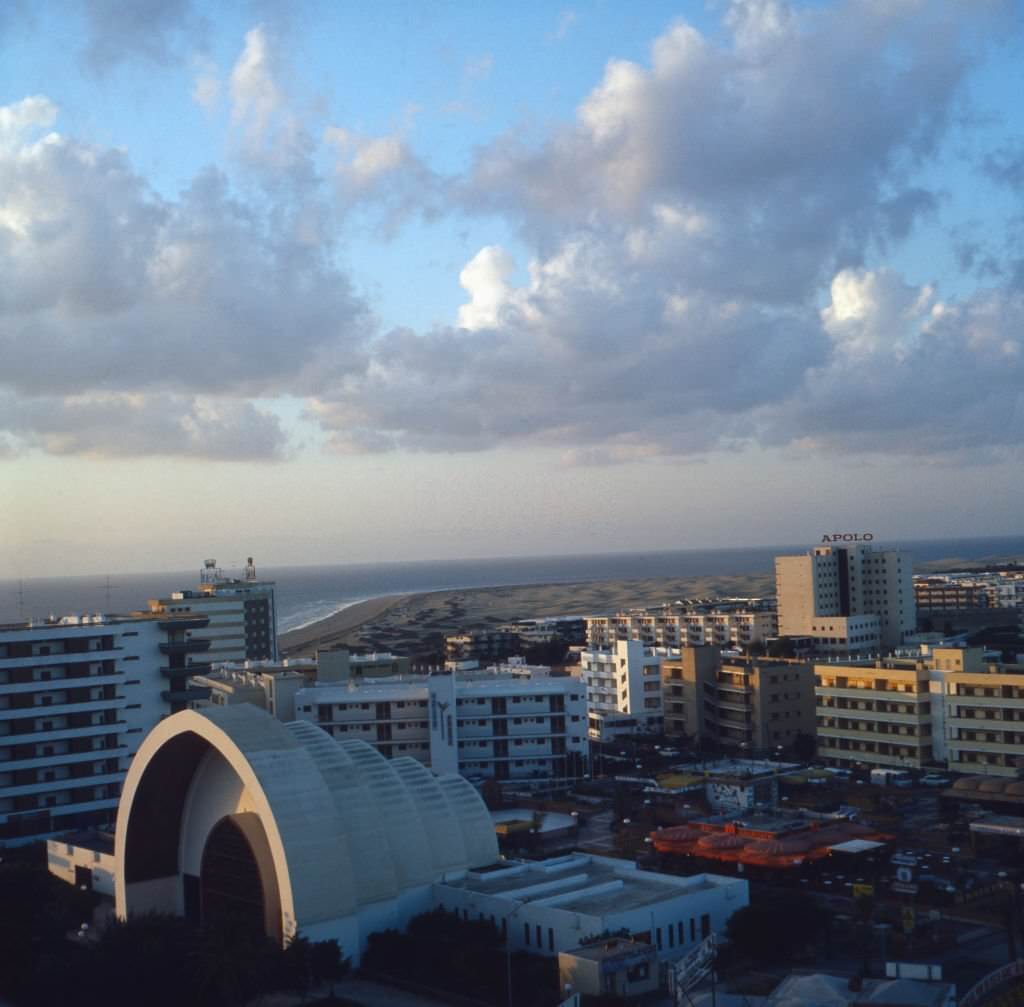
{"x":306,"y":594}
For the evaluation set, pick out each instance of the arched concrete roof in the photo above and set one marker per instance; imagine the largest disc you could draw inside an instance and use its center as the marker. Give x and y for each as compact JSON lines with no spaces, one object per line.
{"x":344,"y":826}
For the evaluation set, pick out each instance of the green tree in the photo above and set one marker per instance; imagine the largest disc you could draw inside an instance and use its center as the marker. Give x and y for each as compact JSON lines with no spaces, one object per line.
{"x":778,"y":929}
{"x":804,"y":746}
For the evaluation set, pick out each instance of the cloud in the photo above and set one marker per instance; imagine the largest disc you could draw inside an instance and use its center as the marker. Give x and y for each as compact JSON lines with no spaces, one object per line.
{"x":384,"y":173}
{"x":685,"y":228}
{"x":579,"y":355}
{"x":112,"y":292}
{"x":125,"y":426}
{"x":566,"y":22}
{"x":1005,"y":165}
{"x":154,"y":31}
{"x":911,"y":374}
{"x":696,"y":244}
{"x":484,"y":279}
{"x":796,"y":130}
{"x":207,"y":87}
{"x":270,"y":133}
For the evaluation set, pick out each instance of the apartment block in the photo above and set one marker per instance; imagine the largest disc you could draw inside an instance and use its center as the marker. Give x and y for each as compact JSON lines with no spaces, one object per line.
{"x":983,"y":729}
{"x":480,"y":724}
{"x":752,"y":705}
{"x":941,"y":594}
{"x":77,"y":695}
{"x":726,"y":624}
{"x":876,"y":713}
{"x":337,"y":664}
{"x":623,"y":684}
{"x":240,"y":613}
{"x":847,"y":599}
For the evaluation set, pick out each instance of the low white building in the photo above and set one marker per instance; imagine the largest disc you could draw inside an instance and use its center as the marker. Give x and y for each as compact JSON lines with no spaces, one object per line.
{"x":521,"y":724}
{"x":272,"y":689}
{"x":624,"y":694}
{"x":83,"y":859}
{"x":553,"y":905}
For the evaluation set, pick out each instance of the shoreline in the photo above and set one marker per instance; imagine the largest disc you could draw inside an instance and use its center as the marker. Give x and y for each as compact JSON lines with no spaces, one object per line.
{"x":339,"y":623}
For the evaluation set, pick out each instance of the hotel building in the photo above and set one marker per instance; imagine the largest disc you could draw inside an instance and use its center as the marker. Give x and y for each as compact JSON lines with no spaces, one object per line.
{"x":240,"y":613}
{"x":479,"y":724}
{"x":686,"y":626}
{"x":77,"y":695}
{"x":623,"y":686}
{"x":877,"y":713}
{"x":847,"y":599}
{"x":945,"y":705}
{"x":752,"y":705}
{"x":984,"y":712}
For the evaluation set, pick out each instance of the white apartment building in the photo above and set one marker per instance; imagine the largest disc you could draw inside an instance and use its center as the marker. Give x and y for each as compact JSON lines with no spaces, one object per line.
{"x":624,"y":693}
{"x":486,"y":725}
{"x":847,"y":599}
{"x":272,"y":689}
{"x":242,"y":617}
{"x":77,"y":695}
{"x":669,"y":627}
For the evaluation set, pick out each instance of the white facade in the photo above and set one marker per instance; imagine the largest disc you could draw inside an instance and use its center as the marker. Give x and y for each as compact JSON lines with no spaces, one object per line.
{"x":664,"y":627}
{"x":271,"y":690}
{"x":849,"y":599}
{"x":242,"y":617}
{"x":508,"y":727}
{"x":624,"y":693}
{"x":83,"y":860}
{"x":76,"y":697}
{"x":389,"y":714}
{"x":552,"y":905}
{"x":482,"y":724}
{"x":325,"y":837}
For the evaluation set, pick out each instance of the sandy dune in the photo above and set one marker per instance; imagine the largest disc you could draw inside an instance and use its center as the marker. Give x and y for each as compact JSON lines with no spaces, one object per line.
{"x":399,"y":623}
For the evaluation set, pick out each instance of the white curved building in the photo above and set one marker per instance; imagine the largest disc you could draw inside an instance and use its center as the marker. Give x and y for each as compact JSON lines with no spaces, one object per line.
{"x":230,"y":813}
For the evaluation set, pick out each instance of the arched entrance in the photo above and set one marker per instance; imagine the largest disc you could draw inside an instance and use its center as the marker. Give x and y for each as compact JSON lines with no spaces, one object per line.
{"x":231,"y":890}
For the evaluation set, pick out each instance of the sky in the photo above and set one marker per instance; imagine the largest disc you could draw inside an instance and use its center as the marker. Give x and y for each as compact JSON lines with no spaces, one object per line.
{"x":328,"y":282}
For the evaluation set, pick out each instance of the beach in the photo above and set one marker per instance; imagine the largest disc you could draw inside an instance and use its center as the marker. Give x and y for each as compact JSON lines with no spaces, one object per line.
{"x":404,"y":623}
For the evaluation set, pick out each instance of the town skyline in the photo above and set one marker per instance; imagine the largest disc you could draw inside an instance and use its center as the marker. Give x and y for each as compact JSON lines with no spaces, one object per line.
{"x":353,"y":286}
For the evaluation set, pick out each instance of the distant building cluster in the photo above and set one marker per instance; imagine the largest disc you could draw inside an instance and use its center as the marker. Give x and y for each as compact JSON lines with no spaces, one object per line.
{"x":176,"y":764}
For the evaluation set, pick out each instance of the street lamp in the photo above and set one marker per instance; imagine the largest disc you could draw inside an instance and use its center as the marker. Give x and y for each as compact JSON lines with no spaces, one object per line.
{"x":507,"y":920}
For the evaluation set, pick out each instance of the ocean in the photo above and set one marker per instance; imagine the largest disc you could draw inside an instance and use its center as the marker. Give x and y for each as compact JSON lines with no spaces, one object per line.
{"x":306,"y":594}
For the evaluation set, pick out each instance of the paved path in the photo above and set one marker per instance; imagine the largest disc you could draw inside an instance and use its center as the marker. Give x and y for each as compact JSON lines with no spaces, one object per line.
{"x":596,"y":832}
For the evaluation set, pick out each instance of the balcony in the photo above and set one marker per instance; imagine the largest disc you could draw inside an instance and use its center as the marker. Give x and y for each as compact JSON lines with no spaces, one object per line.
{"x":191,"y":646}
{"x":185,"y":671}
{"x":183,"y":622}
{"x":184,"y":695}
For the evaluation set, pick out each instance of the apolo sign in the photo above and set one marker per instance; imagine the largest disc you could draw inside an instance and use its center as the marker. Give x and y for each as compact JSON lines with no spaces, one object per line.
{"x":847,"y":536}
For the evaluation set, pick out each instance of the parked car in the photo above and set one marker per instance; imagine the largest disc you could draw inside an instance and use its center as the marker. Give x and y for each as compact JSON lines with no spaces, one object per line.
{"x":935,"y":780}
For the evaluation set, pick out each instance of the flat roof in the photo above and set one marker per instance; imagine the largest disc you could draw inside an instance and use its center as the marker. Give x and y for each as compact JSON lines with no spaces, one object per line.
{"x":614,"y":947}
{"x":1003,"y":825}
{"x":856,"y":846}
{"x":87,"y":839}
{"x":584,"y":884}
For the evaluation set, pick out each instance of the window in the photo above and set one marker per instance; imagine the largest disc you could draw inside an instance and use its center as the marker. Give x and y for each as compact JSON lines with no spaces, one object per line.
{"x":526,"y":933}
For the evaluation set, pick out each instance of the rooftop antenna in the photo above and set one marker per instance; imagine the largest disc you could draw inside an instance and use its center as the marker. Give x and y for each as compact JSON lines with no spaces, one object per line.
{"x":107,"y":588}
{"x":21,"y":599}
